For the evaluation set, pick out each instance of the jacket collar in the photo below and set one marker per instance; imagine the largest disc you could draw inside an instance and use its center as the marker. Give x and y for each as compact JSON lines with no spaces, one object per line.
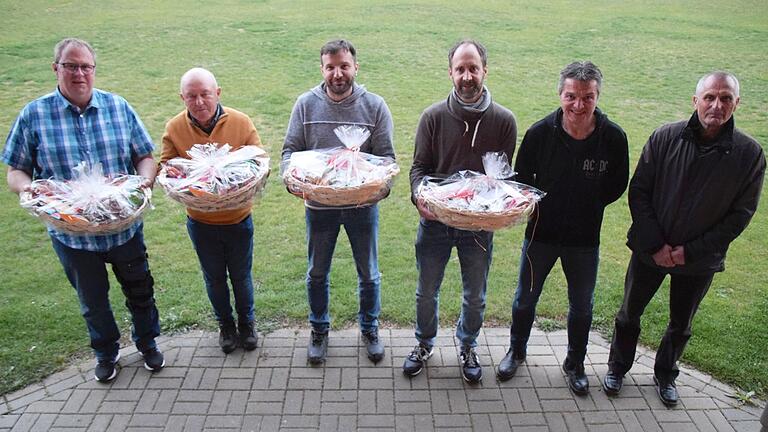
{"x":724,"y":141}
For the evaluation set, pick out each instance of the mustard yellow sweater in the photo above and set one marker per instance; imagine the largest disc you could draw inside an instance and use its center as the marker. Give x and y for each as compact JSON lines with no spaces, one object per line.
{"x":233,"y":128}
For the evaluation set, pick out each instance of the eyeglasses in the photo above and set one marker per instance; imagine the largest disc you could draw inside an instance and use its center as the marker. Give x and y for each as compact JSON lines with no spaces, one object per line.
{"x":73,"y":68}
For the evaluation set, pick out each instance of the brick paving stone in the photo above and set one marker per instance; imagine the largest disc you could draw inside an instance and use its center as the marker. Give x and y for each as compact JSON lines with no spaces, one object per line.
{"x":7,"y":421}
{"x":575,"y":422}
{"x":73,"y":420}
{"x":526,"y":419}
{"x":27,"y":399}
{"x":100,"y":423}
{"x":147,"y":401}
{"x":382,"y":421}
{"x":148,"y":420}
{"x":219,"y":402}
{"x":45,"y":422}
{"x":45,"y":406}
{"x":94,"y":399}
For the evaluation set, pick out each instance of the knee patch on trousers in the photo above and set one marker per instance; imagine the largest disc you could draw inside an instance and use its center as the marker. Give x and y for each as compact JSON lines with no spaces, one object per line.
{"x":136,"y":282}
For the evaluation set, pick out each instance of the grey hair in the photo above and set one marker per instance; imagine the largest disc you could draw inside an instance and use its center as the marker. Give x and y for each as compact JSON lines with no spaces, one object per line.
{"x":197,"y":72}
{"x":585,"y":71}
{"x":480,"y":50}
{"x":720,"y":75}
{"x":58,"y":50}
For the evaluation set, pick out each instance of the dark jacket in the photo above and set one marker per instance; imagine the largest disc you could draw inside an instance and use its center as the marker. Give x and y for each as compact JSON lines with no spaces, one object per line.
{"x":579,"y":182}
{"x":683,"y":193}
{"x":450,"y":139}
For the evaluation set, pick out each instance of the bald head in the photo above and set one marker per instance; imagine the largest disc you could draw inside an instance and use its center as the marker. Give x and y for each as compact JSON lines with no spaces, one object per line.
{"x":198,"y":74}
{"x":200,"y":93}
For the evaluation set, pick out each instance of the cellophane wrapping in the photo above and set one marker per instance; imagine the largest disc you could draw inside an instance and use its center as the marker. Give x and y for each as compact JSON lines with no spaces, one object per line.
{"x":340,"y":175}
{"x":475,"y":201}
{"x":216,"y":178}
{"x":89,"y":203}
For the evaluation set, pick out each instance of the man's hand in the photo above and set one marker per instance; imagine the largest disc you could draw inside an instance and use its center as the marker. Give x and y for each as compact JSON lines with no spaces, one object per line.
{"x":424,"y":211}
{"x":678,"y":255}
{"x":663,"y":256}
{"x":19,"y":181}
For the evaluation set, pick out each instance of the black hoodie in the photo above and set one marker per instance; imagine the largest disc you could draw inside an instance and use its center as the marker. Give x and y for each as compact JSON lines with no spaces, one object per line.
{"x":579,"y":182}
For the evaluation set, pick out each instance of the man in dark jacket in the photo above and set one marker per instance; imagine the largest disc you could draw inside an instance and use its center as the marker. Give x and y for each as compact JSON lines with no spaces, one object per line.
{"x":695,"y":189}
{"x":580,"y":159}
{"x":452,"y":136}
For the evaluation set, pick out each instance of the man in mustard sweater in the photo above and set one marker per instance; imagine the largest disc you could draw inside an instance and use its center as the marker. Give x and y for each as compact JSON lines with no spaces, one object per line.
{"x":223,"y":240}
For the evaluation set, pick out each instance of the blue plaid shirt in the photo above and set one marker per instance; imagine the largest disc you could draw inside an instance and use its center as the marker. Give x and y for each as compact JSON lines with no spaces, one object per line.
{"x":51,"y":136}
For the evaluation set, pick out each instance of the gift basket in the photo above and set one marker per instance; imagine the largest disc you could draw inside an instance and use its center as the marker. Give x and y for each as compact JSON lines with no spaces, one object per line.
{"x":473,"y":201}
{"x":216,"y":178}
{"x":89,"y":204}
{"x":340,"y":176}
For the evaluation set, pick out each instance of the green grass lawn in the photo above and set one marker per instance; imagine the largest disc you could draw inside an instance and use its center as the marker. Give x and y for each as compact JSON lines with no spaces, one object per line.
{"x":266,"y":53}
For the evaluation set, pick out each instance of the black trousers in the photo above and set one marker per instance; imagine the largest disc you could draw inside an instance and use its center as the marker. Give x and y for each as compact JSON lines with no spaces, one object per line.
{"x":641,"y":283}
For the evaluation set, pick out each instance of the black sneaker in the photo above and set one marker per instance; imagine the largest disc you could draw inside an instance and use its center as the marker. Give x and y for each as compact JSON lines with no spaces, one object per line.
{"x":415,"y":361}
{"x":227,"y":337}
{"x":106,"y":370}
{"x":318,"y":347}
{"x":471,"y":370}
{"x":153,"y":360}
{"x":248,"y":337}
{"x":373,"y":345}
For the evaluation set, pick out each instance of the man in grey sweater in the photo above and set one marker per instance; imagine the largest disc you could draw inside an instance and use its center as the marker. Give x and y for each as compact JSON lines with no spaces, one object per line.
{"x":338,"y":100}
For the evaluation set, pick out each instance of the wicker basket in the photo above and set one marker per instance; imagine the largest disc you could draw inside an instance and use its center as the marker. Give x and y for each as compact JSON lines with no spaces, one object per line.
{"x":238,"y":198}
{"x":477,"y":220}
{"x":336,"y":196}
{"x":91,"y":228}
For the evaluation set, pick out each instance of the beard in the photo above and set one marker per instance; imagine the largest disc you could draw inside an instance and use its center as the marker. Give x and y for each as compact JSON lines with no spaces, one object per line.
{"x":339,"y":87}
{"x":470,"y":91}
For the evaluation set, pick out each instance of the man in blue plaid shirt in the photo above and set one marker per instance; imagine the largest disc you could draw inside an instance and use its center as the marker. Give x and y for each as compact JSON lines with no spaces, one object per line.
{"x":53,"y":134}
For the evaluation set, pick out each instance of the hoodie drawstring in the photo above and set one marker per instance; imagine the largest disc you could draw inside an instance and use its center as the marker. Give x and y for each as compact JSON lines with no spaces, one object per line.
{"x":466,"y":128}
{"x":477,"y":126}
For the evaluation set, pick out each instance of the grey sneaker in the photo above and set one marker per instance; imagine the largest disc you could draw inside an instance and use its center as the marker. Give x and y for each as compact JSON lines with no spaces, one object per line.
{"x":415,"y":361}
{"x":373,"y":345}
{"x":318,"y":347}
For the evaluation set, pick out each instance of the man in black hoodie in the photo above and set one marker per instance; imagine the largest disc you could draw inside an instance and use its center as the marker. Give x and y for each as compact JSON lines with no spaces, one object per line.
{"x":695,"y":189}
{"x":452,"y":136}
{"x":580,"y":159}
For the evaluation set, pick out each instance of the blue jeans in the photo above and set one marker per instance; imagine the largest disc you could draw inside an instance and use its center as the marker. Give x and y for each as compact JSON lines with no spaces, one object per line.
{"x":86,"y":271}
{"x":580,"y":268}
{"x":362,"y":227}
{"x":434,"y":242}
{"x":222,"y":250}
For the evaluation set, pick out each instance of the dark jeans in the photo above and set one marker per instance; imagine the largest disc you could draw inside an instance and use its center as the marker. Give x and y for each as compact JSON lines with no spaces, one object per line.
{"x":362,"y":227}
{"x":580,"y":269}
{"x":434,"y":242}
{"x":641,"y":284}
{"x":222,"y":250}
{"x":87,"y":273}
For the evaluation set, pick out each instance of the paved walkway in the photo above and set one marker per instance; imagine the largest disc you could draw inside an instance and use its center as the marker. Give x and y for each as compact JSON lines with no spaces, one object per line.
{"x":273,"y":389}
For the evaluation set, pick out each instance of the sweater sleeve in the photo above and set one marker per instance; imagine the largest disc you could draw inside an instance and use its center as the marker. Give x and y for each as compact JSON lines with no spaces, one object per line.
{"x":423,"y":158}
{"x":618,"y":169}
{"x":736,"y":220}
{"x":382,"y":136}
{"x":294,"y":136}
{"x":169,"y":150}
{"x":645,"y":234}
